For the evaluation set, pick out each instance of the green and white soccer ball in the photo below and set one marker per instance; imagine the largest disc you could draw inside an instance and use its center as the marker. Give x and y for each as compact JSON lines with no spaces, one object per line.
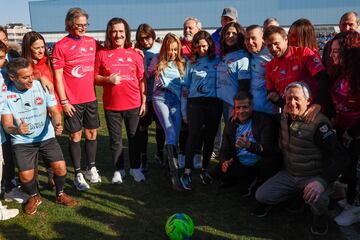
{"x":179,"y":227}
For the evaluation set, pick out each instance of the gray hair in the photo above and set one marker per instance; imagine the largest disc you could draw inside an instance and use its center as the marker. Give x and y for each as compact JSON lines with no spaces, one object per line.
{"x":303,"y":86}
{"x":198,"y":23}
{"x":72,"y":14}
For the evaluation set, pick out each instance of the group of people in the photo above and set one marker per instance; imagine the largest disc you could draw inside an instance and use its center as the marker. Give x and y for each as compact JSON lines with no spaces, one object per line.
{"x":292,"y":118}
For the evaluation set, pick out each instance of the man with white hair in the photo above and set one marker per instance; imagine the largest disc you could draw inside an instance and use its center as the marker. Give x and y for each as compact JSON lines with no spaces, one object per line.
{"x":191,"y":26}
{"x":312,"y":156}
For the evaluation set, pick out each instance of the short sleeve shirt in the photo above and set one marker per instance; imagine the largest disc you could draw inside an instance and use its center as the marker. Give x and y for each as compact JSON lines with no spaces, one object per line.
{"x":76,"y":56}
{"x":130,"y":66}
{"x":299,"y":64}
{"x":30,"y":106}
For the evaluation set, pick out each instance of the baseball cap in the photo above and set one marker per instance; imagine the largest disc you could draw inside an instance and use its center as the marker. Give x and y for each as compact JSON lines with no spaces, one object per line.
{"x":230,"y":12}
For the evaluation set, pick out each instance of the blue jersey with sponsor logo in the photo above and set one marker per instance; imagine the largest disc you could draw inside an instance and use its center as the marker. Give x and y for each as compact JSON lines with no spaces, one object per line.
{"x":258,"y":63}
{"x":30,"y":106}
{"x":200,"y":77}
{"x":233,"y":67}
{"x":168,"y":79}
{"x":245,"y":157}
{"x":149,"y":54}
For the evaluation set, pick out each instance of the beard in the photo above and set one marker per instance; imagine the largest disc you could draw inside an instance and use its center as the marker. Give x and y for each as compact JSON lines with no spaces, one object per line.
{"x":188,"y":38}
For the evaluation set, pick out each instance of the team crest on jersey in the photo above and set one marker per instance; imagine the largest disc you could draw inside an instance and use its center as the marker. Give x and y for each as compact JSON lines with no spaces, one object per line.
{"x":324,"y":129}
{"x":27,"y":106}
{"x":295,"y":68}
{"x":316,"y":60}
{"x":3,"y":87}
{"x":39,"y":101}
{"x":230,"y":61}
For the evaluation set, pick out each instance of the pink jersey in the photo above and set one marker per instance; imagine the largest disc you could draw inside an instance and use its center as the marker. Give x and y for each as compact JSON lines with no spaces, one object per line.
{"x":346,"y":104}
{"x":299,"y":64}
{"x":130,"y":66}
{"x":77,"y":58}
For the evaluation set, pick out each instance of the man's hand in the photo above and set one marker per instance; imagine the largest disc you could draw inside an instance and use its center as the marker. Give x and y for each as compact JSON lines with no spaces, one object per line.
{"x":312,"y":191}
{"x":311,"y":113}
{"x":273,"y":96}
{"x":243,"y":141}
{"x":23,"y":128}
{"x":58,"y":129}
{"x":226,"y":164}
{"x":47,"y":84}
{"x":115,"y":78}
{"x":69,"y":109}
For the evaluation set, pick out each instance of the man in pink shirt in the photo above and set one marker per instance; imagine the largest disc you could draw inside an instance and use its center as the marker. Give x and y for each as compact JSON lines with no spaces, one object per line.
{"x":73,"y":61}
{"x":120,"y":70}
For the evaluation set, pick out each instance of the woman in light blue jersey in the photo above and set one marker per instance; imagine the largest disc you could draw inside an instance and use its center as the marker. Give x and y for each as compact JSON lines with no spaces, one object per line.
{"x":145,"y":40}
{"x":233,"y":72}
{"x":203,"y":106}
{"x":169,"y":73}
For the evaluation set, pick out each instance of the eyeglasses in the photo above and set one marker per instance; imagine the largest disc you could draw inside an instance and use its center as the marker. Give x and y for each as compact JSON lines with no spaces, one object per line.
{"x":81,"y":25}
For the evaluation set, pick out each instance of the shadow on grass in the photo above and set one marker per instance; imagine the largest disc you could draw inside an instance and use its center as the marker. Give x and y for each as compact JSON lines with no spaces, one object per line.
{"x":15,"y":231}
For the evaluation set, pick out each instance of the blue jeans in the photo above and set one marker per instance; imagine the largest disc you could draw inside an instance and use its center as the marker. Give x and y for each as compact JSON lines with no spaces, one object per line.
{"x":168,"y":110}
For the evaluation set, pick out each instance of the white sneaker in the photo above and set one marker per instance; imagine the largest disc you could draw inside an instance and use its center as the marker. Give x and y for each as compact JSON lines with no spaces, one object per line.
{"x":117,"y":178}
{"x":6,"y":214}
{"x":17,"y":195}
{"x":197,"y":161}
{"x":137,"y":174}
{"x":181,"y":161}
{"x":92,"y":175}
{"x":348,"y":216}
{"x":80,"y":182}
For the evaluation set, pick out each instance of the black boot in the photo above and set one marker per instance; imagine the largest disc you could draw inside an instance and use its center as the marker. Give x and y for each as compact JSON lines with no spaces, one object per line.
{"x":170,"y":154}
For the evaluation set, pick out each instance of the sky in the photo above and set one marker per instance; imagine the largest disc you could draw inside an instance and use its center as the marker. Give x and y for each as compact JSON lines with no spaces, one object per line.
{"x":14,"y":11}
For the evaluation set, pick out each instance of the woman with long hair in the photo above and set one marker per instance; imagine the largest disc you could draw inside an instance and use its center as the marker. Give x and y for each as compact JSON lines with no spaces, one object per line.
{"x":169,"y":71}
{"x":34,"y":49}
{"x":120,"y":70}
{"x":233,"y":71}
{"x":203,"y":106}
{"x":345,"y":92}
{"x":302,"y":34}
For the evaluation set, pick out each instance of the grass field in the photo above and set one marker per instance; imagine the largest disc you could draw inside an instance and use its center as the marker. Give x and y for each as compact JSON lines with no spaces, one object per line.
{"x":138,"y":211}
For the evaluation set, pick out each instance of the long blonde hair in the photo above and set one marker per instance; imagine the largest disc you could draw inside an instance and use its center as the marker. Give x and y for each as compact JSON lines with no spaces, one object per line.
{"x":163,"y":56}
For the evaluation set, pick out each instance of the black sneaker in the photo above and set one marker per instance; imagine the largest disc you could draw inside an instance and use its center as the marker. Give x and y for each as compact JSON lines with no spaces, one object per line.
{"x":186,"y":181}
{"x":262,"y":210}
{"x":205,"y":177}
{"x":319,"y":225}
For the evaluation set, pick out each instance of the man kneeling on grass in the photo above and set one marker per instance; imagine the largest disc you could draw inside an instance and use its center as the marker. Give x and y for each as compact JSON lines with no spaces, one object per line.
{"x":26,"y":117}
{"x":313,"y":158}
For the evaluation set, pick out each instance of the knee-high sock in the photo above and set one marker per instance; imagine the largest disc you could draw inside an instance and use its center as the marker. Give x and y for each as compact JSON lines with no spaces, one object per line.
{"x":90,"y":151}
{"x":75,"y":154}
{"x":30,"y":187}
{"x":59,"y":183}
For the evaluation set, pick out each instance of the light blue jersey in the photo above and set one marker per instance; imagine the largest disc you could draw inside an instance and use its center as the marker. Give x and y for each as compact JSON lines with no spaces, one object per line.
{"x":30,"y":106}
{"x":149,"y":54}
{"x":170,"y":80}
{"x":2,"y":102}
{"x":245,"y":157}
{"x":233,"y":67}
{"x":200,"y":77}
{"x":258,"y":63}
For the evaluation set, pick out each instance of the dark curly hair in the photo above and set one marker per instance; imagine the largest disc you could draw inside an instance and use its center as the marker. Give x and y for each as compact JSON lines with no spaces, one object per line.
{"x":202,"y":35}
{"x":224,"y":48}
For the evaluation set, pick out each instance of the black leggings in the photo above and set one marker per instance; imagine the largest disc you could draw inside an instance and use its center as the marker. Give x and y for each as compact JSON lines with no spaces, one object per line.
{"x":202,"y":112}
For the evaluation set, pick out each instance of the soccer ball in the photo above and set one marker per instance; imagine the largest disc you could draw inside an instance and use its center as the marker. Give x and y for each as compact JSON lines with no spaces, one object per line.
{"x":179,"y":227}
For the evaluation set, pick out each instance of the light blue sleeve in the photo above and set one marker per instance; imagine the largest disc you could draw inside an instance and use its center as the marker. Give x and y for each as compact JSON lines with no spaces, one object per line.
{"x":187,"y":75}
{"x":50,"y":99}
{"x":243,"y":68}
{"x":6,"y":109}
